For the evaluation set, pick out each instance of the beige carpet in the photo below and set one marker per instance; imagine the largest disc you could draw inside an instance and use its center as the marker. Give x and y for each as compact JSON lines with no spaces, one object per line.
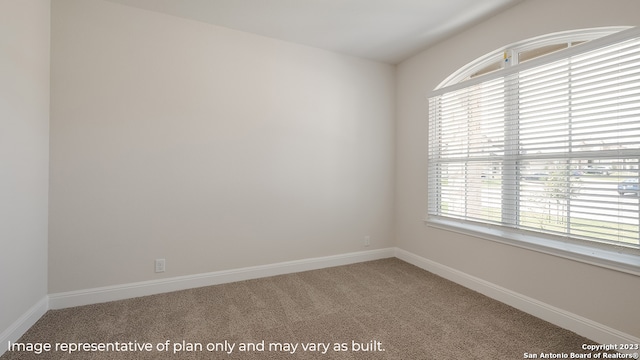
{"x":391,"y":308}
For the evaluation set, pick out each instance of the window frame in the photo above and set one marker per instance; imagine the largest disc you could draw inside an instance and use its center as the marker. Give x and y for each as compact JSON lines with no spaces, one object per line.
{"x":511,"y":50}
{"x":620,"y":258}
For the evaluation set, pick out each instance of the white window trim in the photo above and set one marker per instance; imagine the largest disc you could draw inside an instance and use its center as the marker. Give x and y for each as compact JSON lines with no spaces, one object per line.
{"x":530,"y":44}
{"x":567,"y":248}
{"x":449,"y":85}
{"x":612,"y":257}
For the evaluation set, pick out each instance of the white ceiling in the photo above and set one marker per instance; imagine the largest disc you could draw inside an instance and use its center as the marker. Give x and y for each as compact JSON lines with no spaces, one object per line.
{"x":383,"y":30}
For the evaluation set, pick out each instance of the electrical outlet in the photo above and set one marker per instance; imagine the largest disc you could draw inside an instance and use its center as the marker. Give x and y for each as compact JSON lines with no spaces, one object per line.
{"x":367,"y":240}
{"x":160,"y":265}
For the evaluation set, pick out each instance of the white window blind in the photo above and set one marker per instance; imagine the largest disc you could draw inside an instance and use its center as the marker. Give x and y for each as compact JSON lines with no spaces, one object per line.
{"x":551,"y":145}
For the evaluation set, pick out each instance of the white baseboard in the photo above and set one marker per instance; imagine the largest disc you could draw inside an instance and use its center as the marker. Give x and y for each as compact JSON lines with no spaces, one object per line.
{"x":131,"y":290}
{"x":20,"y":326}
{"x":588,"y":328}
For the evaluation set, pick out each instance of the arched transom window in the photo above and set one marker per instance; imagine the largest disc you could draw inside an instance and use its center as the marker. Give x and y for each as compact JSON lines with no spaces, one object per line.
{"x":540,"y":141}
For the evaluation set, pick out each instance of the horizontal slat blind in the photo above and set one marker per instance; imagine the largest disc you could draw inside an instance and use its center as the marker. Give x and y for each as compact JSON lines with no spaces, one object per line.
{"x":553,"y":148}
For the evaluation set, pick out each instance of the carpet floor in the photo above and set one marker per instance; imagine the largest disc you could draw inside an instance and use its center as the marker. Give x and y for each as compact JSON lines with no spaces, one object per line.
{"x":383,"y":309}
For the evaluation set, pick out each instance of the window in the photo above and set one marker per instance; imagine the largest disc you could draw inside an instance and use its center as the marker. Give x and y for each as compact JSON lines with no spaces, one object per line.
{"x":545,"y":146}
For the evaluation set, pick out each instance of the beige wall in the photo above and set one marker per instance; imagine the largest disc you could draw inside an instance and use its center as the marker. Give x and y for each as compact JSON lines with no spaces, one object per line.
{"x":217,"y":149}
{"x":605,"y":296}
{"x":212,"y":148}
{"x":24,"y":150}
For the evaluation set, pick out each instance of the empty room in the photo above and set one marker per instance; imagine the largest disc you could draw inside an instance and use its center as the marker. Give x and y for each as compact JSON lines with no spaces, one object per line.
{"x":331,"y":179}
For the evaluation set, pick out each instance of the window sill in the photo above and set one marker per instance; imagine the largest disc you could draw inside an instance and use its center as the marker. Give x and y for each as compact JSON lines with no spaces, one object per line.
{"x":621,"y":259}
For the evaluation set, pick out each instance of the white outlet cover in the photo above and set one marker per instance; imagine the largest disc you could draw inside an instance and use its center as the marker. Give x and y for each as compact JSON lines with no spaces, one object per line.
{"x":160,"y":265}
